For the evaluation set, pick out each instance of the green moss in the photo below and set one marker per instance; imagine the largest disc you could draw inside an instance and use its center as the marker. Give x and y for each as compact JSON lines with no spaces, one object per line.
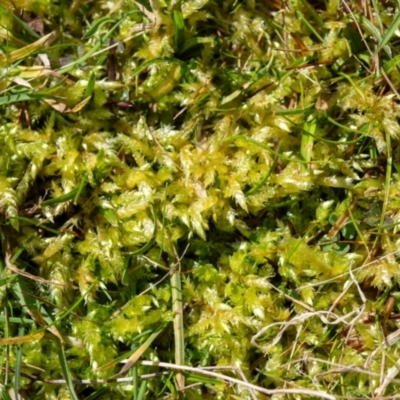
{"x":177,"y":177}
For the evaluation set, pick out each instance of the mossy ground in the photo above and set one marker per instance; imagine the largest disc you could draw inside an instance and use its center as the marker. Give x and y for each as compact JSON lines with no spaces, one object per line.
{"x":191,"y":184}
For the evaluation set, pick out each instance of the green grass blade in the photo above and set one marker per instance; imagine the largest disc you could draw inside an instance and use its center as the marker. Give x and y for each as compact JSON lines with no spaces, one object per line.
{"x":17,"y":320}
{"x":274,"y":206}
{"x":179,"y":28}
{"x":17,"y":98}
{"x":102,"y":21}
{"x":389,"y":33}
{"x":97,"y":26}
{"x":263,"y":146}
{"x":389,"y":65}
{"x":256,"y":188}
{"x":5,"y":395}
{"x":23,"y":25}
{"x":6,"y":335}
{"x":80,"y":189}
{"x":147,"y":64}
{"x":377,"y":14}
{"x":21,"y":249}
{"x":150,"y":243}
{"x":135,"y":382}
{"x":315,"y":15}
{"x":18,"y":363}
{"x":74,"y":305}
{"x":20,"y":288}
{"x":352,"y":83}
{"x":374,"y":31}
{"x":37,"y":224}
{"x":90,"y":86}
{"x":109,"y":215}
{"x":142,"y":390}
{"x":82,"y":59}
{"x":66,"y":373}
{"x":309,"y":26}
{"x":61,"y":199}
{"x":98,"y":45}
{"x":193,"y":377}
{"x":345,"y":128}
{"x":230,"y":97}
{"x":96,"y":394}
{"x":5,"y":281}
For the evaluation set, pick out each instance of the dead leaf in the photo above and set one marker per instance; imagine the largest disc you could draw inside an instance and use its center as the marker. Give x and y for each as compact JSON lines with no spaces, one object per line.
{"x":62,"y":108}
{"x":29,"y":49}
{"x":36,"y":71}
{"x":39,"y":319}
{"x":80,"y":105}
{"x":22,"y":339}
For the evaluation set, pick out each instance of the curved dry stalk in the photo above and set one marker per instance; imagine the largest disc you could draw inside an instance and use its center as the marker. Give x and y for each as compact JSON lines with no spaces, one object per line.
{"x":299,"y":391}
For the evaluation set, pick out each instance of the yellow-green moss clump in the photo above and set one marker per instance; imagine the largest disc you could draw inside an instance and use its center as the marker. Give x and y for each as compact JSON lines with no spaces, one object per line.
{"x":200,"y":184}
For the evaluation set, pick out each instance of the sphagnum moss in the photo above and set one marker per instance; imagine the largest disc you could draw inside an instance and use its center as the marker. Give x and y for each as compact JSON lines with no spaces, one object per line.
{"x":190,"y":184}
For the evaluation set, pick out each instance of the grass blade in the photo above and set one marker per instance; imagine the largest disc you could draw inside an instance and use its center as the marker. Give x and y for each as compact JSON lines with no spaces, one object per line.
{"x":352,"y":83}
{"x":314,"y":14}
{"x":96,"y":394}
{"x":23,"y":25}
{"x":90,"y":86}
{"x":263,"y":146}
{"x":147,"y":64}
{"x":374,"y":31}
{"x":21,"y":249}
{"x":142,"y":390}
{"x":98,"y":45}
{"x":135,"y":382}
{"x":124,"y":356}
{"x":150,"y":243}
{"x":5,"y":281}
{"x":5,"y":395}
{"x":66,"y":372}
{"x":82,"y":59}
{"x":27,"y":50}
{"x":389,"y":33}
{"x":307,"y":139}
{"x":17,"y":98}
{"x":18,"y":362}
{"x":61,"y":199}
{"x":179,"y":28}
{"x":139,"y":351}
{"x":37,"y":224}
{"x":256,"y":188}
{"x":17,"y":320}
{"x":21,"y":339}
{"x":389,"y":65}
{"x":80,"y":189}
{"x":176,"y":288}
{"x":309,"y":26}
{"x":97,"y":26}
